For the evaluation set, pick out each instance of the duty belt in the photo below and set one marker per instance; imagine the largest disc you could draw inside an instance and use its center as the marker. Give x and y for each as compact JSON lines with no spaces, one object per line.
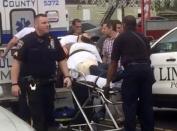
{"x":136,"y":63}
{"x":35,"y":82}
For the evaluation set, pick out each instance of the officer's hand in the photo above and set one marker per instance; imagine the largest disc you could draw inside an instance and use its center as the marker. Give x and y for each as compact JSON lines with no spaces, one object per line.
{"x":106,"y":89}
{"x":67,"y":82}
{"x":16,"y":90}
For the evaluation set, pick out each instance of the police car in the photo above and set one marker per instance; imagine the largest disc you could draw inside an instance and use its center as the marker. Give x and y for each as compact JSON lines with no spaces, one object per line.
{"x":10,"y":122}
{"x":164,"y":63}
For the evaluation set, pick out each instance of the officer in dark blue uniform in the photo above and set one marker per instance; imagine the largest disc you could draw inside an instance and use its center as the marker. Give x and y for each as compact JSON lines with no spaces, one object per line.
{"x":133,"y":50}
{"x":37,"y":57}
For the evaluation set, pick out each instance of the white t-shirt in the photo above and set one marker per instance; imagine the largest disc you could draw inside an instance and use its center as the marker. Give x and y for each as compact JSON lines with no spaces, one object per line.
{"x":101,"y":82}
{"x":91,"y":53}
{"x":24,"y":32}
{"x":68,"y":39}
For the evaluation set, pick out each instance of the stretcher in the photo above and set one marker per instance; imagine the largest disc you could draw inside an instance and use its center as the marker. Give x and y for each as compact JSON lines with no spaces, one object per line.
{"x":94,"y":85}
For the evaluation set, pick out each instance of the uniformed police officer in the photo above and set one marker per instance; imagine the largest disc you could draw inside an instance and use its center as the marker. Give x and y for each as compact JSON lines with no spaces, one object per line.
{"x":38,"y":56}
{"x":134,"y":51}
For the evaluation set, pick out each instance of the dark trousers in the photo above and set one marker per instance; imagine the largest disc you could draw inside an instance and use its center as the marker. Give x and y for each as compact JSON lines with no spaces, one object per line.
{"x":41,"y":103}
{"x":23,"y":108}
{"x":82,"y":93}
{"x":137,"y":92}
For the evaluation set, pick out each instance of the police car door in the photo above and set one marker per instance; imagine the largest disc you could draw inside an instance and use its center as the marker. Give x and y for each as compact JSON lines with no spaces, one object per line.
{"x":164,"y":61}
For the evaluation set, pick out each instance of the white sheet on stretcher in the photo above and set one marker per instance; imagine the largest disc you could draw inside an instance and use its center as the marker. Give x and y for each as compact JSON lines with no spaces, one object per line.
{"x":101,"y":82}
{"x":91,"y":53}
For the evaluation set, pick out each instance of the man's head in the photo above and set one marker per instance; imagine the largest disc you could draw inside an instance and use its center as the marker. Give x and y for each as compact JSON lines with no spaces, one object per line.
{"x":41,"y":24}
{"x":85,"y":37}
{"x":77,"y":26}
{"x":129,"y":22}
{"x":103,"y":28}
{"x":85,"y":65}
{"x":110,"y":28}
{"x":118,"y":26}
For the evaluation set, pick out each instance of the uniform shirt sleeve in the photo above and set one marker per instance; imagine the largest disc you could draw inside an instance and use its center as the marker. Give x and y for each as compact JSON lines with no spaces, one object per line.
{"x":116,"y":50}
{"x":148,"y":47}
{"x":20,"y":54}
{"x":60,"y":52}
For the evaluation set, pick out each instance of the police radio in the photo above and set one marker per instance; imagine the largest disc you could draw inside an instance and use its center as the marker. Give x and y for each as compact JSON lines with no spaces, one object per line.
{"x":52,"y":44}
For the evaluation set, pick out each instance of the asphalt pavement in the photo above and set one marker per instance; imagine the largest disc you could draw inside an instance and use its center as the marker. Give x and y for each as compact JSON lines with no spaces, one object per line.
{"x":165,"y":119}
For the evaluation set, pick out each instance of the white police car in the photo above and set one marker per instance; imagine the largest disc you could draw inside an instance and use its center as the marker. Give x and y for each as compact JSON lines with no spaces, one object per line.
{"x":164,"y":62}
{"x":10,"y":122}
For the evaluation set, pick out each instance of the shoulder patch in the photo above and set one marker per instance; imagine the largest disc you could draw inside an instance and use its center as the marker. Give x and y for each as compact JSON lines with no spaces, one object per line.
{"x":20,"y":44}
{"x":15,"y":54}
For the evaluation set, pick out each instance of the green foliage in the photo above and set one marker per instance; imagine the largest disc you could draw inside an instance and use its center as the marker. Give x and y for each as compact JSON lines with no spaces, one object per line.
{"x":167,"y":4}
{"x":156,"y":5}
{"x":175,"y":5}
{"x":159,"y":5}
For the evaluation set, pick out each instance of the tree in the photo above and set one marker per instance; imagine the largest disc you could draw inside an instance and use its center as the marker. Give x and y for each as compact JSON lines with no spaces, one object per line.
{"x":159,"y":5}
{"x":175,"y":5}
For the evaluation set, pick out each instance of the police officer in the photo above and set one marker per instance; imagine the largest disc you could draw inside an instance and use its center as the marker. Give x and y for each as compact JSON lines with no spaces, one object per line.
{"x":37,"y":57}
{"x":134,"y":51}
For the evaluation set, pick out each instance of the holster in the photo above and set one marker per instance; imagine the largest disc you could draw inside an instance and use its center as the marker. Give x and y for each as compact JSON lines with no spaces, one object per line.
{"x":38,"y":81}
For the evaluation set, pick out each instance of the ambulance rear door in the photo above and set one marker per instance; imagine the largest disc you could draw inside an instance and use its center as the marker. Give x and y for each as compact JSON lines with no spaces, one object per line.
{"x":56,"y":13}
{"x":17,"y":15}
{"x":3,"y":25}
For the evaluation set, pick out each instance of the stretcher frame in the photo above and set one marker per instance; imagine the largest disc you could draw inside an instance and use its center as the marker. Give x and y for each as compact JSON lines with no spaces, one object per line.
{"x":89,"y":123}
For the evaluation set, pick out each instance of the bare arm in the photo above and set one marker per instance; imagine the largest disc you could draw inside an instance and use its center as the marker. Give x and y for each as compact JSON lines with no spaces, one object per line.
{"x":15,"y":70}
{"x":11,"y":43}
{"x":111,"y":71}
{"x":104,"y":59}
{"x":104,"y":53}
{"x":64,"y":68}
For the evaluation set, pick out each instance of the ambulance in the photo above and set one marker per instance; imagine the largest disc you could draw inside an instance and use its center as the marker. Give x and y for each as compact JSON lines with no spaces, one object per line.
{"x":17,"y":14}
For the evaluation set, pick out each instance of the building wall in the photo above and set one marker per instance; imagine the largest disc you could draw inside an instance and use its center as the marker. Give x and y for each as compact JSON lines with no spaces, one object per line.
{"x":96,"y":12}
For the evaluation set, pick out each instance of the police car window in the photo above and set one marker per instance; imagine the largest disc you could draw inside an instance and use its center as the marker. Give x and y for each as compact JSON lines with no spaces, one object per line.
{"x":167,"y":44}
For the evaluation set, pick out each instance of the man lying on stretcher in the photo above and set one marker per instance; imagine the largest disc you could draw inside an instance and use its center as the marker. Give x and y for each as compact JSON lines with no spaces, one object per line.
{"x":83,"y":57}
